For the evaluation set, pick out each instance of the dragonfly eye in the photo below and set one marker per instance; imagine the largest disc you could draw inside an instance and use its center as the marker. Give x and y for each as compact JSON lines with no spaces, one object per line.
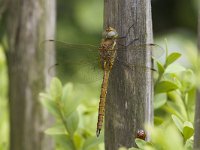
{"x":112,"y":34}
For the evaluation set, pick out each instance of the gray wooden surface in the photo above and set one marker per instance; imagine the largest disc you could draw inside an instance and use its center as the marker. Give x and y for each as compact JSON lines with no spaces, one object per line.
{"x":29,"y":22}
{"x":129,"y":100}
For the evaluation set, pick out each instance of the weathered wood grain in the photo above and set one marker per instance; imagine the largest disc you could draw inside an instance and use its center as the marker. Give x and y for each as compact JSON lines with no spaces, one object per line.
{"x":129,"y":101}
{"x":29,"y":22}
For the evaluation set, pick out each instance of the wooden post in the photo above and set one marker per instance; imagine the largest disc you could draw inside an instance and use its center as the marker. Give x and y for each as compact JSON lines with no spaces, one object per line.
{"x":29,"y":22}
{"x":129,"y":100}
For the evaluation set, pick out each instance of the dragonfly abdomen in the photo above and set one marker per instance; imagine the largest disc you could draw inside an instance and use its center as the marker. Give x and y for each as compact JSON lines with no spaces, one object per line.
{"x":102,"y":102}
{"x":107,"y":51}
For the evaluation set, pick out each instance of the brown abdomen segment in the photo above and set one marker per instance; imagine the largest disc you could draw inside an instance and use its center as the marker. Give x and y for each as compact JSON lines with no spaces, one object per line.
{"x":102,"y":102}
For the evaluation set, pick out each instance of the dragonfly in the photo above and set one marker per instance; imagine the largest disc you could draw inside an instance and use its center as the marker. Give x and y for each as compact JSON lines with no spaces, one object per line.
{"x":100,"y":59}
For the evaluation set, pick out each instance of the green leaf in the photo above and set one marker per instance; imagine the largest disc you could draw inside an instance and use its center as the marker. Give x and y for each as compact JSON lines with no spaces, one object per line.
{"x":166,"y":48}
{"x":159,"y":100}
{"x":56,"y":129}
{"x":158,"y":120}
{"x":64,"y":141}
{"x":69,"y":99}
{"x":177,"y":104}
{"x":123,"y":148}
{"x":45,"y":96}
{"x":133,"y":148}
{"x":188,"y":80}
{"x":56,"y":89}
{"x":160,"y":68}
{"x":174,"y":68}
{"x":78,"y":140}
{"x":172,"y":77}
{"x":72,"y":123}
{"x":178,"y":123}
{"x":188,"y":130}
{"x":165,"y":86}
{"x":92,"y":142}
{"x":51,"y":105}
{"x":191,"y":98}
{"x":67,"y":92}
{"x":166,"y":137}
{"x":140,"y":143}
{"x":173,"y":108}
{"x":172,"y":57}
{"x":189,"y":144}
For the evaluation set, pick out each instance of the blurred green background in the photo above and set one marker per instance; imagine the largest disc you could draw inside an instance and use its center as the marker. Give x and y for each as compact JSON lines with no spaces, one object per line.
{"x":81,"y":21}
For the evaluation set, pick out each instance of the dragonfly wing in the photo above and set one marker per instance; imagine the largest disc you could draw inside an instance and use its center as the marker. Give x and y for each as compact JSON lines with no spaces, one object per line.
{"x":79,"y":72}
{"x":88,"y":73}
{"x":75,"y":62}
{"x":156,"y":50}
{"x":72,"y":51}
{"x":131,"y":66}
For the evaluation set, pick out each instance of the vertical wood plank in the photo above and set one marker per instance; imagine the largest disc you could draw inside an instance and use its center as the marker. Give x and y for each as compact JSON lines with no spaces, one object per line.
{"x":129,"y":100}
{"x":29,"y":22}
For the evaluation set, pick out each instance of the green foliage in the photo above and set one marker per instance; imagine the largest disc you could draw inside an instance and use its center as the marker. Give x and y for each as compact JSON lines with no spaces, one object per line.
{"x":63,"y":105}
{"x":4,"y":120}
{"x":166,"y":86}
{"x":141,"y":143}
{"x":172,"y":58}
{"x":159,"y":100}
{"x":186,"y":128}
{"x":178,"y":123}
{"x":174,"y":107}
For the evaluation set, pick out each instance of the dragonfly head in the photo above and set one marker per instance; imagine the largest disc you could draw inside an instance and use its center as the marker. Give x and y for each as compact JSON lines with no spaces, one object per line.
{"x":110,"y":33}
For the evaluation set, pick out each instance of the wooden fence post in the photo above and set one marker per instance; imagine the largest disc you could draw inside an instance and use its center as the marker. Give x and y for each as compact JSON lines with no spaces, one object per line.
{"x":28,"y":24}
{"x":130,"y":92}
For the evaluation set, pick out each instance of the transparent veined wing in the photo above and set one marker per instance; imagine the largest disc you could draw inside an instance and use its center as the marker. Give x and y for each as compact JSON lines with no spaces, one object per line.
{"x":125,"y":55}
{"x":81,"y":62}
{"x":155,"y":49}
{"x":75,"y":62}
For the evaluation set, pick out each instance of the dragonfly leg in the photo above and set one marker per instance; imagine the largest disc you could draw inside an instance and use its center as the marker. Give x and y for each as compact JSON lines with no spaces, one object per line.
{"x":131,"y":42}
{"x":98,"y":132}
{"x":122,"y":37}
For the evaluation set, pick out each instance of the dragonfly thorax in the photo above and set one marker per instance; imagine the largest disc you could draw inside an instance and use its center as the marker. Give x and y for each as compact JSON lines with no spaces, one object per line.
{"x":107,"y":51}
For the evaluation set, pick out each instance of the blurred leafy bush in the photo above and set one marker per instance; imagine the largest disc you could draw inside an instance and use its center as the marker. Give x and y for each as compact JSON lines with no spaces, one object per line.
{"x":65,"y":106}
{"x":4,"y":123}
{"x":173,"y":106}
